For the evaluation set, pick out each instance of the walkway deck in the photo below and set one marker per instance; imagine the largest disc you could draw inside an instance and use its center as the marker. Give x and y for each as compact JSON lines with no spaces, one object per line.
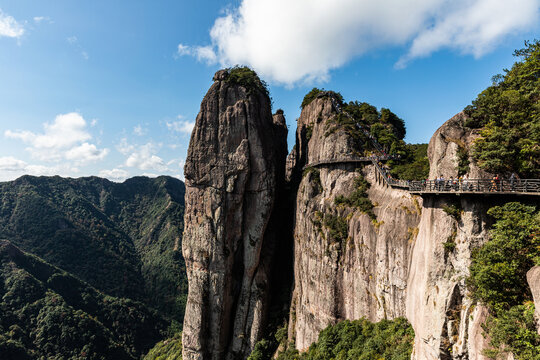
{"x":528,"y":187}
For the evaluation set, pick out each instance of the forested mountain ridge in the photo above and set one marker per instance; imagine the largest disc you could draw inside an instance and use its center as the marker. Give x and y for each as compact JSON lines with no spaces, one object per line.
{"x":122,"y":238}
{"x":46,"y":313}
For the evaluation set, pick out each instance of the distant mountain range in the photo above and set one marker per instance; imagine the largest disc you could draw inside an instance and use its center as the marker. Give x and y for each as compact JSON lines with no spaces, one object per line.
{"x":110,"y":255}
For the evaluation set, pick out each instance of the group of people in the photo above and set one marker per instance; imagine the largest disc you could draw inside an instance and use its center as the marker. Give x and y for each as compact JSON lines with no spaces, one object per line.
{"x":459,"y":183}
{"x":463,"y":183}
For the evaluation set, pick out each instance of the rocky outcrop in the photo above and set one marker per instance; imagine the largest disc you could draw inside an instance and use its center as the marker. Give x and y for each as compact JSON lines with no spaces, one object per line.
{"x":411,"y":260}
{"x":231,"y":173}
{"x":362,"y":273}
{"x":450,"y":142}
{"x":446,"y":322}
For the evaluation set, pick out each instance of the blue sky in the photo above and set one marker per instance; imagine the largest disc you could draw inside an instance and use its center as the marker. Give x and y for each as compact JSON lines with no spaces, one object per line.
{"x":111,"y":88}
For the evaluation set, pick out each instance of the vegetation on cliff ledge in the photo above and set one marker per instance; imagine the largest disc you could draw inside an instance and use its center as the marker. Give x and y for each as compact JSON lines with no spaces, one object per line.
{"x":248,"y":78}
{"x":498,"y":279}
{"x":508,"y":116}
{"x":353,"y":340}
{"x":169,"y":349}
{"x":358,"y":198}
{"x":410,"y":163}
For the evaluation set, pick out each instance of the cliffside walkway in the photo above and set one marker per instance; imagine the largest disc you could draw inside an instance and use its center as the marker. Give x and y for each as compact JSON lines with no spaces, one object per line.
{"x":530,"y":187}
{"x":351,"y":160}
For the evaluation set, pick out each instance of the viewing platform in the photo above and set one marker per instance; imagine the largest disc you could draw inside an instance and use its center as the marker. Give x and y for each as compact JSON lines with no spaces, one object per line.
{"x":477,"y":186}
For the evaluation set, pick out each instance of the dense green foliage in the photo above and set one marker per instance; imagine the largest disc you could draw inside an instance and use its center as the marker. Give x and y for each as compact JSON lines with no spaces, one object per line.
{"x":413,"y":163}
{"x":170,"y":349}
{"x":508,"y":112}
{"x":312,"y":95}
{"x":248,"y":78}
{"x":124,"y":239}
{"x":359,"y":340}
{"x":45,"y":313}
{"x":358,"y":198}
{"x":514,"y":331}
{"x":338,"y":228}
{"x":384,"y":126}
{"x":498,"y":279}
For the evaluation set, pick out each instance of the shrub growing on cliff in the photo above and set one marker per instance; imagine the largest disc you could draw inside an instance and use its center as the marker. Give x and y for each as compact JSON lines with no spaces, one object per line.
{"x":169,"y":349}
{"x":337,"y":226}
{"x":358,"y":198}
{"x":498,"y":279}
{"x":360,"y":340}
{"x":413,"y":163}
{"x":312,"y":95}
{"x":499,"y":268}
{"x":246,"y":77}
{"x":509,"y":116}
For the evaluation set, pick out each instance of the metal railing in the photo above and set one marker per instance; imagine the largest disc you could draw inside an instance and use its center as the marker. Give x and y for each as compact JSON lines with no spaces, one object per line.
{"x":456,"y":186}
{"x":476,"y":186}
{"x":358,"y":159}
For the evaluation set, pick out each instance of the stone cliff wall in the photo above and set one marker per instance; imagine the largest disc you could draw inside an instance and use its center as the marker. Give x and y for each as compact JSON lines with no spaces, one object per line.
{"x":364,"y":274}
{"x":411,"y":261}
{"x":231,"y":176}
{"x":410,"y":257}
{"x":446,"y":322}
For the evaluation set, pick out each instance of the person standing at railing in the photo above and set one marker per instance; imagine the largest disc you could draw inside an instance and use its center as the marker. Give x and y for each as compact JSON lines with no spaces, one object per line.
{"x":466,"y":182}
{"x":513,"y":179}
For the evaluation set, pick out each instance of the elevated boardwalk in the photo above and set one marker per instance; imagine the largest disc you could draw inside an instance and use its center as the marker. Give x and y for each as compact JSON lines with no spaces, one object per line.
{"x":351,"y":160}
{"x":486,"y":187}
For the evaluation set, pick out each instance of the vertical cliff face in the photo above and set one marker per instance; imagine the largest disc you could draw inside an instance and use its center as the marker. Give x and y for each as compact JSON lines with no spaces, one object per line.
{"x":411,"y":260}
{"x":446,"y":322}
{"x":347,"y":264}
{"x":231,"y":175}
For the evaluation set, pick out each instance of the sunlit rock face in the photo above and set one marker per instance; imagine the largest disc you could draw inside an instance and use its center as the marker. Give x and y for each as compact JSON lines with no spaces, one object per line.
{"x":235,"y":157}
{"x":446,"y":322}
{"x":364,"y":275}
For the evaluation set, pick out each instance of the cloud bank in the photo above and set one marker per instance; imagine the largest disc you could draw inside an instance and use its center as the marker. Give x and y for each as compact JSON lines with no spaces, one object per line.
{"x":66,"y":138}
{"x":9,"y":27}
{"x":289,"y":41}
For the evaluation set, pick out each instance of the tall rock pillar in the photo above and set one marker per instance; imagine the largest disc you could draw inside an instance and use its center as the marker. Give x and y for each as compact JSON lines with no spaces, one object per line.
{"x":231,"y":177}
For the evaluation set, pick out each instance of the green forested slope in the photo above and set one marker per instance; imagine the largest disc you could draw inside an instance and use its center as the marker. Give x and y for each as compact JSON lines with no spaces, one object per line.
{"x":507,"y":115}
{"x":123,"y":239}
{"x":45,"y":313}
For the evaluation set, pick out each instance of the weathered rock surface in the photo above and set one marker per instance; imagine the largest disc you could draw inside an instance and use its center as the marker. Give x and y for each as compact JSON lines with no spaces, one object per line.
{"x":446,"y":323}
{"x":395,"y":266}
{"x":444,"y":146}
{"x":231,"y":175}
{"x":364,"y":275}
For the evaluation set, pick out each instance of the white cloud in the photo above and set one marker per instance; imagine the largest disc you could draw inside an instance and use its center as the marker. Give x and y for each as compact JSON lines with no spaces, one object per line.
{"x":40,"y":19}
{"x":201,"y":53}
{"x":181,"y":126}
{"x":86,"y":152}
{"x":124,"y":147}
{"x":10,"y":164}
{"x":114,"y":174}
{"x":74,"y":41}
{"x":142,"y":157}
{"x":139,"y":130}
{"x":302,"y":40}
{"x":65,"y":138}
{"x":11,"y":168}
{"x":9,"y":27}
